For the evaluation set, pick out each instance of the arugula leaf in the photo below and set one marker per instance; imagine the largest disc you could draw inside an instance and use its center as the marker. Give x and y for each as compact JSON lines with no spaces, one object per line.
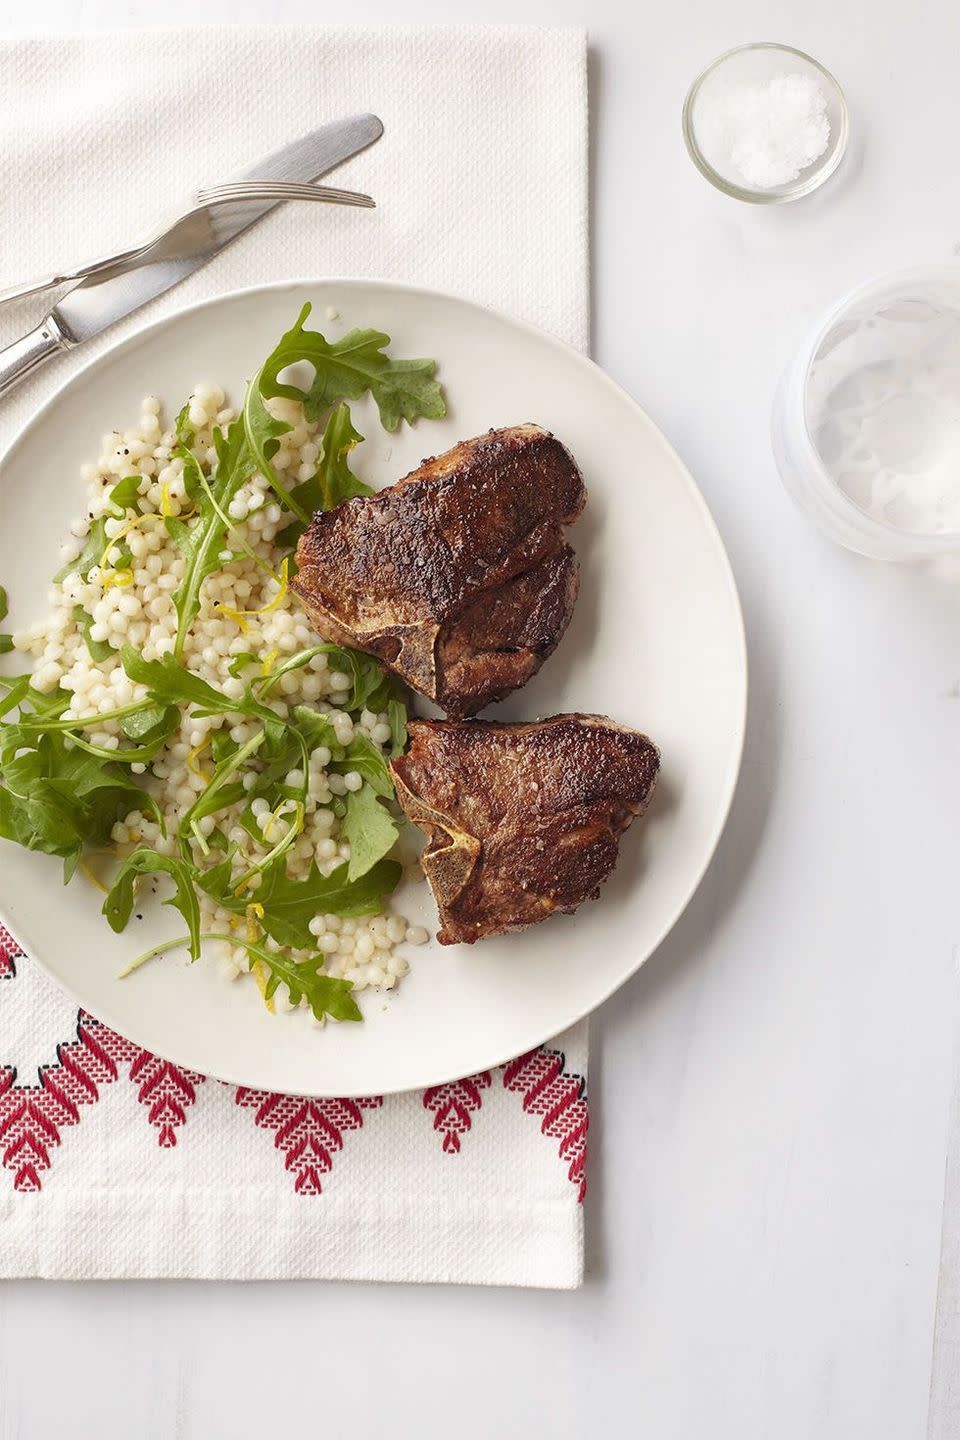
{"x":202,"y":538}
{"x":17,"y":688}
{"x":122,"y":498}
{"x":397,"y":720}
{"x":124,"y":495}
{"x":370,"y":829}
{"x":263,"y":433}
{"x":170,"y":682}
{"x":370,"y":685}
{"x":369,"y":682}
{"x":333,"y":480}
{"x":325,"y":995}
{"x":57,"y":799}
{"x":4,"y":604}
{"x":185,"y":432}
{"x":222,"y":745}
{"x":290,"y":905}
{"x":151,"y":723}
{"x":316,"y":729}
{"x":105,"y":791}
{"x":93,"y":547}
{"x":6,"y":644}
{"x":239,"y":663}
{"x":218,"y":794}
{"x":99,"y":649}
{"x":348,"y":368}
{"x":125,"y":755}
{"x":39,"y":819}
{"x":44,"y":706}
{"x":364,"y":757}
{"x":119,"y":902}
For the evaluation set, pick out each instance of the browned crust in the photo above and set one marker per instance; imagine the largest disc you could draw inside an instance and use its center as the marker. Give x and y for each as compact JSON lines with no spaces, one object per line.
{"x":523,"y":820}
{"x":458,"y":577}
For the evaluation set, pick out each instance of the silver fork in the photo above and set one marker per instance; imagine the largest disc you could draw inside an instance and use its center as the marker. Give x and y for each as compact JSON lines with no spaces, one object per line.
{"x":239,"y":192}
{"x":279,"y":190}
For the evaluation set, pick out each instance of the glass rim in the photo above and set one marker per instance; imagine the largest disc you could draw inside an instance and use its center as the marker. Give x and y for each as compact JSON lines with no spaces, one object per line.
{"x":780,"y":194}
{"x":921,"y":542}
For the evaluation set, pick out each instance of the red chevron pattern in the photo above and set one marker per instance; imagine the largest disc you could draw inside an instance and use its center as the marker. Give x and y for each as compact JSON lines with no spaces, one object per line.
{"x":32,"y":1116}
{"x":560,"y":1098}
{"x":307,"y":1132}
{"x":167,"y":1091}
{"x":453,"y":1107}
{"x":9,"y":950}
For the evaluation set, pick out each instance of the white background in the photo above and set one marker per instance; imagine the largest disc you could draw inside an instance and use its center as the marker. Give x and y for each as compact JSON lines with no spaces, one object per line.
{"x":770,"y":1093}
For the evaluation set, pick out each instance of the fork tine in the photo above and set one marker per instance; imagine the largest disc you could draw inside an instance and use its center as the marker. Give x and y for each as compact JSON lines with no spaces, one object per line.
{"x":280,"y":190}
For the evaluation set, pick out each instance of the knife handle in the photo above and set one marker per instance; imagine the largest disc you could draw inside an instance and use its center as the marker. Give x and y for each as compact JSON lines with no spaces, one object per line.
{"x":23,"y":356}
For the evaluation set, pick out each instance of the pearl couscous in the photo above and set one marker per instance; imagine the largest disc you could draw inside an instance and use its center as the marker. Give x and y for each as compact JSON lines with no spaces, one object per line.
{"x":127,"y":599}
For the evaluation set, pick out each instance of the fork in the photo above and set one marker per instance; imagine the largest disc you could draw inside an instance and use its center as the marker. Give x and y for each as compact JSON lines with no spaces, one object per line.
{"x":237,"y":192}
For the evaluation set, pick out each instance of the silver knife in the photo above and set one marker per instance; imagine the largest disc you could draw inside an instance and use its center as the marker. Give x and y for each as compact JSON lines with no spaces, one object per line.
{"x":103,"y":299}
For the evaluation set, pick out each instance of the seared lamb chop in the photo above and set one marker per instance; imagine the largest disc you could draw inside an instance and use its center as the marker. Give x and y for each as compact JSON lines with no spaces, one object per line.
{"x":458,"y":577}
{"x":523,"y":819}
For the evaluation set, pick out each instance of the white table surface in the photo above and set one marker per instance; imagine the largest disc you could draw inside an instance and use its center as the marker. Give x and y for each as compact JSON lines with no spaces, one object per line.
{"x":771,"y":1091}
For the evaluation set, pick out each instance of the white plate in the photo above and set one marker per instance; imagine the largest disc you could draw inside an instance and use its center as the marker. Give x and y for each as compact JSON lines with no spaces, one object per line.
{"x":656,"y":642}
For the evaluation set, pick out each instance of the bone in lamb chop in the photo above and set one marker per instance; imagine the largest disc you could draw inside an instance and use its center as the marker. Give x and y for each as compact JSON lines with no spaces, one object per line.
{"x":524,"y":820}
{"x":458,"y":577}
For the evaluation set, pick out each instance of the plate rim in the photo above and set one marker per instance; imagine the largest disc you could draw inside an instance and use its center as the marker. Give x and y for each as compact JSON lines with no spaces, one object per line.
{"x":143,"y":332}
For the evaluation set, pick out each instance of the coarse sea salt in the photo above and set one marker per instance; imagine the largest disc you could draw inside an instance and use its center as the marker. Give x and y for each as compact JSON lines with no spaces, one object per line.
{"x":763,"y":133}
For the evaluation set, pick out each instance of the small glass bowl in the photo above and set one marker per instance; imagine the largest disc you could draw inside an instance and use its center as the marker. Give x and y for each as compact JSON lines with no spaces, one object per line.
{"x":875,"y":386}
{"x":758,"y":63}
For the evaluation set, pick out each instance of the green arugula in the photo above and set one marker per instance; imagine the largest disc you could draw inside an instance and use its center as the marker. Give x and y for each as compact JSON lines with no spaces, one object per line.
{"x":397,"y":720}
{"x":370,"y":829}
{"x":124,"y":495}
{"x":348,"y":368}
{"x":118,"y":905}
{"x":94,"y":545}
{"x":325,"y":995}
{"x":60,"y":793}
{"x":222,"y":745}
{"x":217,"y":795}
{"x":151,"y":722}
{"x":369,"y":761}
{"x":184,"y":430}
{"x":369,"y":685}
{"x":97,"y":542}
{"x":241,"y":662}
{"x":201,"y":539}
{"x":99,"y":649}
{"x":290,"y":905}
{"x":262,"y":433}
{"x":58,"y":799}
{"x":316,"y":729}
{"x":170,"y":683}
{"x":333,"y":480}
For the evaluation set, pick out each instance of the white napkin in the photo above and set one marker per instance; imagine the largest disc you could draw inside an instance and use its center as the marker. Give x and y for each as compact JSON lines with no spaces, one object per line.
{"x":118,"y":1164}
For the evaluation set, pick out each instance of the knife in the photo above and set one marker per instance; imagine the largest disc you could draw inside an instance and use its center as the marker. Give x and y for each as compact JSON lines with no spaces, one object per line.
{"x":101,"y":300}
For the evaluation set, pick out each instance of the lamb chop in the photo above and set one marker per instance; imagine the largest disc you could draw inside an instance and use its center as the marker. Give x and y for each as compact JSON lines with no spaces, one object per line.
{"x":458,"y":577}
{"x":524,"y":820}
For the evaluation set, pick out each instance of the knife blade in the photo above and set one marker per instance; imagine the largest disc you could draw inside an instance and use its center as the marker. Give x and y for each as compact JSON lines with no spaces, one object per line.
{"x":102,"y":300}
